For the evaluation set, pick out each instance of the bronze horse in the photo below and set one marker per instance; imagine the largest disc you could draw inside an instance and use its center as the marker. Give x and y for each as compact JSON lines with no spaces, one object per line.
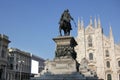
{"x":66,"y":27}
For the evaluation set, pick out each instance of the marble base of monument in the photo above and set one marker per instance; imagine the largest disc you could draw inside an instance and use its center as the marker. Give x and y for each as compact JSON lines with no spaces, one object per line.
{"x":64,"y":66}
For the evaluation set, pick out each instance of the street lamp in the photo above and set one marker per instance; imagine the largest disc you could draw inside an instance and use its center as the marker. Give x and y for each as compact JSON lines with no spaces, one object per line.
{"x":21,"y":62}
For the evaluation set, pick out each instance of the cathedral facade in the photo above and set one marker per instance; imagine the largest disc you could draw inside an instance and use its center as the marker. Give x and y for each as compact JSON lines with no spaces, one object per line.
{"x":102,"y":53}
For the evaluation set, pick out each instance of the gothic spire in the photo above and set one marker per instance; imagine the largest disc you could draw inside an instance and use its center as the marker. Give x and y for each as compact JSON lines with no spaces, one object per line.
{"x":99,"y":23}
{"x":79,"y":24}
{"x":110,"y":33}
{"x":82,"y":23}
{"x":95,"y":22}
{"x":91,"y":20}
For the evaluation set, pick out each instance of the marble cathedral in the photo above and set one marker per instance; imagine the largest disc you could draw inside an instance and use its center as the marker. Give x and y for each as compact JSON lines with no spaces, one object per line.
{"x":102,"y":53}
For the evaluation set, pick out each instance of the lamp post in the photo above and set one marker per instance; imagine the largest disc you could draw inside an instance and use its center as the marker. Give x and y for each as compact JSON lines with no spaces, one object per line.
{"x":21,"y":62}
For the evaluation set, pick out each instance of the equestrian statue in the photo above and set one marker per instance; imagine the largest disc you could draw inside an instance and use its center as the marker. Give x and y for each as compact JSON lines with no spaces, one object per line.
{"x":65,"y":24}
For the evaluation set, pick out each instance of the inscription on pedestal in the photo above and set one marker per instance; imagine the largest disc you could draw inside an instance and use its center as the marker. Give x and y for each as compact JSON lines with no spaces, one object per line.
{"x":61,"y":66}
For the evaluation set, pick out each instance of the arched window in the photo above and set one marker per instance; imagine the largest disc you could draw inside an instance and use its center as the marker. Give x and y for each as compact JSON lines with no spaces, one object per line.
{"x":11,"y":66}
{"x":108,"y":64}
{"x":118,"y":63}
{"x":90,"y":41}
{"x":90,"y":56}
{"x":109,"y":77}
{"x":107,"y":53}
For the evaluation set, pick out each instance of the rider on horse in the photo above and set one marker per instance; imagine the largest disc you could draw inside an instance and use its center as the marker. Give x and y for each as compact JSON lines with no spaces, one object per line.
{"x":65,"y":19}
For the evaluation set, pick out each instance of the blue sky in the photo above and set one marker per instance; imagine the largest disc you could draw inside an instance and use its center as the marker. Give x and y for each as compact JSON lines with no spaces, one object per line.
{"x":31,"y":24}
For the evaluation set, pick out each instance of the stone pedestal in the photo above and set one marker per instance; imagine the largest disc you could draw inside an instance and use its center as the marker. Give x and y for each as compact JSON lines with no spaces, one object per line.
{"x":65,"y":56}
{"x":65,"y":47}
{"x":61,"y":66}
{"x":64,"y":66}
